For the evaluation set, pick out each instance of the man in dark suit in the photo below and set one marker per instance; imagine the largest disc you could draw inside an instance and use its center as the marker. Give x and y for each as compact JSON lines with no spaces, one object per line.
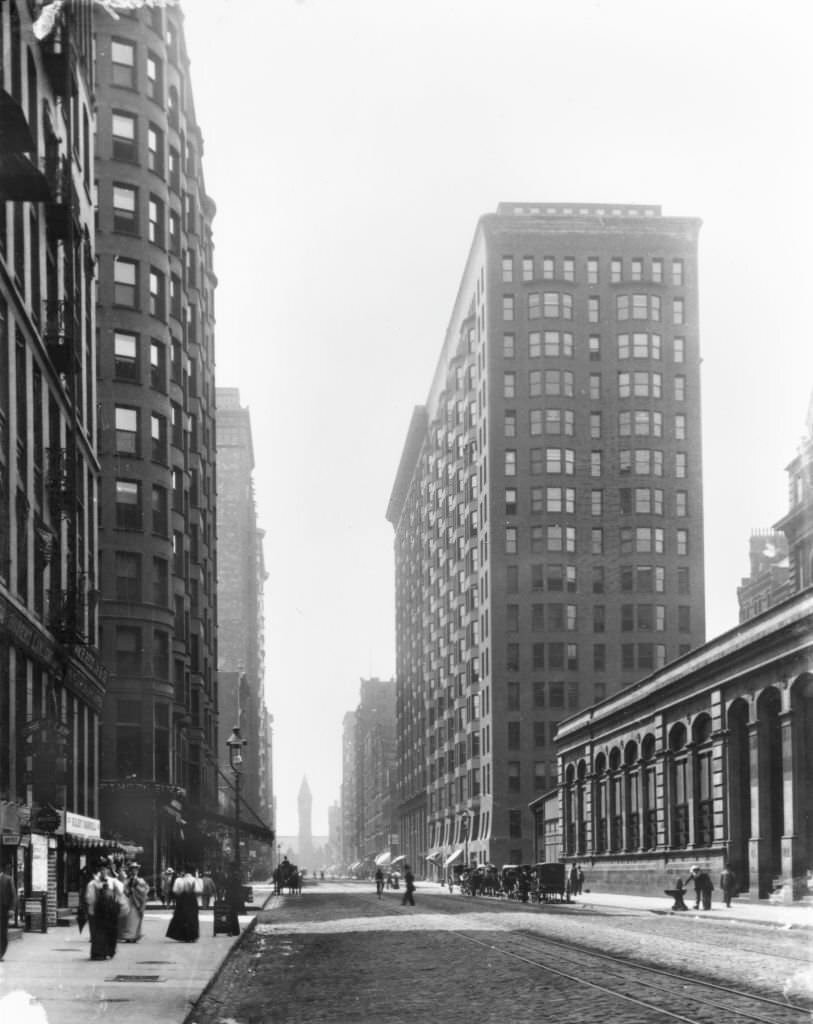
{"x":8,"y":901}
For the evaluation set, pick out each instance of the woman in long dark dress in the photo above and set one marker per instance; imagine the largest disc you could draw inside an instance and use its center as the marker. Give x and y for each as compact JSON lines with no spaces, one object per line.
{"x":184,"y":926}
{"x":104,"y":903}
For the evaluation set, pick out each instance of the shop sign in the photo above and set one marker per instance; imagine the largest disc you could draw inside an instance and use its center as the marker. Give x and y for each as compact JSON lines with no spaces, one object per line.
{"x":11,"y":839}
{"x":78,"y":825}
{"x":48,"y":820}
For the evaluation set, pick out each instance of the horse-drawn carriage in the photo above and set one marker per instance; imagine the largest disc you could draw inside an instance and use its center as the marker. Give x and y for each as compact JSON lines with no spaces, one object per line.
{"x":549,"y":882}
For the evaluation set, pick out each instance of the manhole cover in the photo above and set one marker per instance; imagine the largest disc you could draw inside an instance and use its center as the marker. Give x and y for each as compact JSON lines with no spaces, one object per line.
{"x":135,"y":977}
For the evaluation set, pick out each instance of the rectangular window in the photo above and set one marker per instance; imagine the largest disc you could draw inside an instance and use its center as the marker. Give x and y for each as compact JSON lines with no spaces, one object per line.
{"x":677,"y":273}
{"x":507,"y":269}
{"x":569,"y":269}
{"x":678,"y":312}
{"x":128,"y":505}
{"x":657,"y":270}
{"x":126,"y":431}
{"x":595,"y":425}
{"x":125,"y":140}
{"x":681,"y":503}
{"x":592,"y":270}
{"x":615,"y":270}
{"x":548,"y":268}
{"x":160,"y":511}
{"x":509,"y":384}
{"x":157,"y":294}
{"x":158,"y":366}
{"x":596,"y":502}
{"x":593,"y":309}
{"x":125,"y":209}
{"x":510,"y":540}
{"x":155,"y":78}
{"x":527,"y":268}
{"x":128,"y":651}
{"x":595,"y":387}
{"x":510,"y":423}
{"x":158,"y":435}
{"x":128,"y":576}
{"x":125,"y":349}
{"x":510,"y":462}
{"x":678,"y":349}
{"x":508,"y":346}
{"x":680,"y":389}
{"x":534,"y":306}
{"x":508,"y":307}
{"x":156,"y":221}
{"x":155,"y":149}
{"x":123,"y":58}
{"x":680,"y":465}
{"x":125,"y":283}
{"x":596,"y":540}
{"x":682,"y":542}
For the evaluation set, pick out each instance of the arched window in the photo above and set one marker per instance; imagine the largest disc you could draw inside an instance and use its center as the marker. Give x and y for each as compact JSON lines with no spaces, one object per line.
{"x":649,"y":807}
{"x":679,"y":788}
{"x":602,"y":813}
{"x":704,"y":820}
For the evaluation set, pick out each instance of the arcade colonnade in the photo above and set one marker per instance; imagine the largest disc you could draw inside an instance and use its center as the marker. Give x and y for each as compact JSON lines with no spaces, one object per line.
{"x":708,"y":761}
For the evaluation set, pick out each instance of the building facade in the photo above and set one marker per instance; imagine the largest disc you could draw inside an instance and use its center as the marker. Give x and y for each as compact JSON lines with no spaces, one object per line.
{"x":155,"y":320}
{"x":349,"y":833}
{"x":547,"y":511}
{"x":52,"y":682}
{"x":708,"y":759}
{"x":770,"y":580}
{"x":241,"y":577}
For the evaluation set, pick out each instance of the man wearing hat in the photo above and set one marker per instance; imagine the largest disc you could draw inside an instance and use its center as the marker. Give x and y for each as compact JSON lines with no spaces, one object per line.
{"x":702,"y":887}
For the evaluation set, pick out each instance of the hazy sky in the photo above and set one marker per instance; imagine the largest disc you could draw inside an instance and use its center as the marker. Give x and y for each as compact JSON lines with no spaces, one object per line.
{"x":351,"y":146}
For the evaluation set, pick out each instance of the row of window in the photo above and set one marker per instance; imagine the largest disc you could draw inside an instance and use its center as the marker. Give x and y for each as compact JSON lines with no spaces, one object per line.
{"x":558,"y":578}
{"x":560,"y":656}
{"x":555,"y":617}
{"x":552,"y":268}
{"x":639,"y":423}
{"x":559,"y":306}
{"x":127,"y":294}
{"x":553,"y":383}
{"x":555,"y":537}
{"x":161,"y":227}
{"x":128,"y":72}
{"x":560,"y":344}
{"x":126,"y":147}
{"x":631,"y":501}
{"x":640,"y":461}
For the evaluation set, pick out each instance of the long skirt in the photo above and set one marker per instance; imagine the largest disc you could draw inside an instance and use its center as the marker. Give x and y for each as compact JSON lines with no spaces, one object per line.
{"x":104,"y":925}
{"x":184,"y":926}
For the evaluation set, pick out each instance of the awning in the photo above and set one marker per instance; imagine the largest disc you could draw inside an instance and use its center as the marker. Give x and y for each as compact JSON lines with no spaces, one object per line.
{"x":383,"y":859}
{"x":434,"y":857}
{"x":397,"y":860}
{"x":454,"y":856}
{"x":210,"y":821}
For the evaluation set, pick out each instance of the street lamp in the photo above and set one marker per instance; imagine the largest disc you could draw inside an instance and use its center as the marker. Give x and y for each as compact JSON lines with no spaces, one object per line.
{"x":464,"y":817}
{"x":235,"y":744}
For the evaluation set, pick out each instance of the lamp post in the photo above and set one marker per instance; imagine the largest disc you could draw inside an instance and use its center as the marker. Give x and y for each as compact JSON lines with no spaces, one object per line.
{"x":235,"y":744}
{"x":465,"y":825}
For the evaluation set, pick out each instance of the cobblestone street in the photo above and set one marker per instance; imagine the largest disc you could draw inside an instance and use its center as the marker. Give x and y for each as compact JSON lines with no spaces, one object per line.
{"x":339,"y":954}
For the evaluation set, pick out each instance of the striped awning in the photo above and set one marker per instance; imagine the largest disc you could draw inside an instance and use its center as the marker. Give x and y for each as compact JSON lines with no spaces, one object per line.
{"x":451,"y":859}
{"x":383,"y":859}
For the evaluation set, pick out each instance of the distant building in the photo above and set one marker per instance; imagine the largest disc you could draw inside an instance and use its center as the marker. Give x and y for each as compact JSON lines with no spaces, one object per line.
{"x":241,"y":578}
{"x":304,"y":802}
{"x":368,"y":783}
{"x":770,"y":580}
{"x":547,"y":509}
{"x":797,"y":523}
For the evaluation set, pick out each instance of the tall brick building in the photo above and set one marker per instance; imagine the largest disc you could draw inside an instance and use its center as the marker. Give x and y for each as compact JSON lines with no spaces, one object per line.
{"x":156,"y":286}
{"x":547,"y":510}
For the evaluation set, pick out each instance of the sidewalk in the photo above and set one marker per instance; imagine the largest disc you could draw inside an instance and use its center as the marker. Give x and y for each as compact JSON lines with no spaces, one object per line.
{"x":779,"y":915}
{"x":49,"y":978}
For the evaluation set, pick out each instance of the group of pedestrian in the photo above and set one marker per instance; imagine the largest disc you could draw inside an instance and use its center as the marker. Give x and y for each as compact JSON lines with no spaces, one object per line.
{"x":704,"y":887}
{"x":112,"y":902}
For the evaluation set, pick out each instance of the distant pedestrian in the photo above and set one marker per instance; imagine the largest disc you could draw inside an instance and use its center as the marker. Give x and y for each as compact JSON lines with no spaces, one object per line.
{"x":579,"y":880}
{"x":728,"y":884}
{"x":702,"y":888}
{"x":185,"y":924}
{"x":167,"y":881}
{"x":8,"y":901}
{"x":208,"y":889}
{"x":379,"y":882}
{"x":573,"y":880}
{"x":409,"y":887}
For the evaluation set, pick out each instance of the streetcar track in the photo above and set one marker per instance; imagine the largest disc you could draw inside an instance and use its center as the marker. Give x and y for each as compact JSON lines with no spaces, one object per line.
{"x":790,"y":1011}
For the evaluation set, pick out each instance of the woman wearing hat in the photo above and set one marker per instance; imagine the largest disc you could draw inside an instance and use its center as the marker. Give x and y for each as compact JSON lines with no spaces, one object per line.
{"x":135,"y":889}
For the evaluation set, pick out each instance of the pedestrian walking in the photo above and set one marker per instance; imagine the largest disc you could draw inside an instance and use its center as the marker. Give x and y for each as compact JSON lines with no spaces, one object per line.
{"x":379,"y":882}
{"x":135,"y":889}
{"x":728,"y":884}
{"x":579,"y":880}
{"x":8,"y":901}
{"x":573,"y":880}
{"x":209,"y":889}
{"x":167,"y":881}
{"x":106,"y":903}
{"x":702,"y":887}
{"x":185,"y":923}
{"x":409,"y":887}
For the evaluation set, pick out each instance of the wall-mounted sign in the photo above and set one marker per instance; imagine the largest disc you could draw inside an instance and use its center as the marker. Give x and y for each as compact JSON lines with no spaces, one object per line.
{"x":79,"y":825}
